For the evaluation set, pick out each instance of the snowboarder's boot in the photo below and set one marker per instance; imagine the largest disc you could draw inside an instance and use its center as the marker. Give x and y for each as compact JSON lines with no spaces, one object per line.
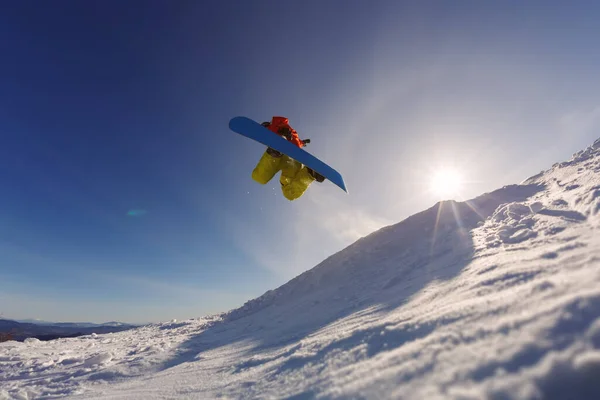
{"x":317,"y":176}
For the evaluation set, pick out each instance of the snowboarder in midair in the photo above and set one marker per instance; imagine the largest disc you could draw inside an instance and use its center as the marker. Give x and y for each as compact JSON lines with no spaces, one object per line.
{"x":295,"y":177}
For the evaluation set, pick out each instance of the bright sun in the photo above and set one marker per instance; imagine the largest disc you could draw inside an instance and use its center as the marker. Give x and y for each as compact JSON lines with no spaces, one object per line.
{"x":446,"y":183}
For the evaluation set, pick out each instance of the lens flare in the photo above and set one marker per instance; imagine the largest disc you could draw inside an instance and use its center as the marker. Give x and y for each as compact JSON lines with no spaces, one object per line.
{"x":136,"y":213}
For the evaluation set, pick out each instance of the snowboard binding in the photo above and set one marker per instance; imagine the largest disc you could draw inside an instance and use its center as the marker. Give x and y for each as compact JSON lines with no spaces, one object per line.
{"x":318,"y":177}
{"x":274,"y":153}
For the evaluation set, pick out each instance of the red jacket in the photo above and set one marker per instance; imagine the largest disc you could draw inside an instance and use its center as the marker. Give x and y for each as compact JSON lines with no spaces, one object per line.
{"x":277,"y":123}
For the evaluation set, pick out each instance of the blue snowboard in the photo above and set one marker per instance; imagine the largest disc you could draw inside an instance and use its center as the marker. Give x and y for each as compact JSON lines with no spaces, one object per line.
{"x":255,"y":131}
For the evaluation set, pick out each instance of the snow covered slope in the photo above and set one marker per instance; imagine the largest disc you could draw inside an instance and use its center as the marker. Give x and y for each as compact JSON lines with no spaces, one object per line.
{"x":498,"y":297}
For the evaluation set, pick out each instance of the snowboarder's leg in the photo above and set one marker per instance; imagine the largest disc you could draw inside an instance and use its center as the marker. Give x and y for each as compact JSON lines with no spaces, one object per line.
{"x":298,"y":185}
{"x":289,"y":169}
{"x":266,"y":168}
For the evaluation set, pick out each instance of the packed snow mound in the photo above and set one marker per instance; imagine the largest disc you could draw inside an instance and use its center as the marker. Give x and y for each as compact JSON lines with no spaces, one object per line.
{"x":383,"y":257}
{"x":497,"y":297}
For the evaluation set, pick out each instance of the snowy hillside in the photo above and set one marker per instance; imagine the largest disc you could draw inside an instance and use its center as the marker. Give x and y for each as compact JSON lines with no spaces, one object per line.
{"x":498,"y":297}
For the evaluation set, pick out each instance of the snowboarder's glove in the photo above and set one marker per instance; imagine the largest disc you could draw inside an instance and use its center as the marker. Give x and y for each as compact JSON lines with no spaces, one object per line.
{"x":306,"y":141}
{"x":266,"y":124}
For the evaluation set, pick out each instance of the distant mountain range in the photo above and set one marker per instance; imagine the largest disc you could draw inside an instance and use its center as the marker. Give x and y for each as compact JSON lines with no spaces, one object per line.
{"x":72,"y":324}
{"x":44,"y":330}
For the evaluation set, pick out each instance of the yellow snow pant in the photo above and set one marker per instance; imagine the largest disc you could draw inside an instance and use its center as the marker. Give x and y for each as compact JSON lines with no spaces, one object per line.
{"x":294,"y":179}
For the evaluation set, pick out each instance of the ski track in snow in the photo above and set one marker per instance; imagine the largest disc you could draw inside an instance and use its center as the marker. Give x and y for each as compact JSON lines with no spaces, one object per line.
{"x":498,"y":297}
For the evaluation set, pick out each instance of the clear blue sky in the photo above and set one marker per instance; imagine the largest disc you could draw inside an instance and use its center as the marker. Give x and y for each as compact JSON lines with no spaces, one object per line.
{"x":112,"y":106}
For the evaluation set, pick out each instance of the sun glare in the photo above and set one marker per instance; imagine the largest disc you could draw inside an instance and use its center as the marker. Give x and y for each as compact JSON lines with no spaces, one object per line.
{"x":446,"y":183}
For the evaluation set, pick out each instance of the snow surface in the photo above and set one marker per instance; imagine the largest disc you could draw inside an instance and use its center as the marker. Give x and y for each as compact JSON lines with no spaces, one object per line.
{"x":498,"y":297}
